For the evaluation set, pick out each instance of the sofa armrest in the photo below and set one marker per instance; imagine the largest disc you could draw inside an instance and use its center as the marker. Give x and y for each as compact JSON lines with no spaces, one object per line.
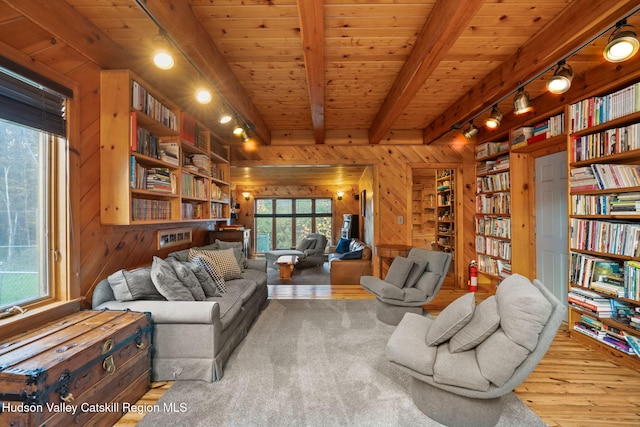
{"x":349,"y":271}
{"x":259,"y":264}
{"x":183,"y":312}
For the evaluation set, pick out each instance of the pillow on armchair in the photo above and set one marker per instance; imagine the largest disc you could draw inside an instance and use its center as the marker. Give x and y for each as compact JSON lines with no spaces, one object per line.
{"x":343,"y":246}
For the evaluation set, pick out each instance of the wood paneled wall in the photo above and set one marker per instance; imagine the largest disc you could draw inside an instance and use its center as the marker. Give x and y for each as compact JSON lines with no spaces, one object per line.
{"x":387,"y":191}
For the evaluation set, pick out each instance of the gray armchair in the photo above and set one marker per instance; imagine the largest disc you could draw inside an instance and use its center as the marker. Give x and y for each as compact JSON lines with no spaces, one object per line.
{"x":310,"y":251}
{"x":410,"y":283}
{"x":469,"y":357}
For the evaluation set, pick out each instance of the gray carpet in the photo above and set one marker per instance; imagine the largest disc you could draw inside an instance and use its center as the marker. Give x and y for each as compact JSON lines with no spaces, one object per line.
{"x":309,"y":363}
{"x":314,"y":275}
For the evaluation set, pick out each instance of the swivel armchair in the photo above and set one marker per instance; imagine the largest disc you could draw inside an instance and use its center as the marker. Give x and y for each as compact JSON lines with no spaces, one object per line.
{"x":410,"y":283}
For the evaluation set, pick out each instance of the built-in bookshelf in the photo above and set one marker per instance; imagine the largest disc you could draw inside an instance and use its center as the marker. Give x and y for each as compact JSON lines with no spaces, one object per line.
{"x":493,"y":210}
{"x":157,"y":164}
{"x":604,"y":222}
{"x":445,"y":210}
{"x":423,"y":201}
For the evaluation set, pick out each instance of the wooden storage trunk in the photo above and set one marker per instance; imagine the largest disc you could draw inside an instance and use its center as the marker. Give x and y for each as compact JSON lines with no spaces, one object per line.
{"x":86,"y":368}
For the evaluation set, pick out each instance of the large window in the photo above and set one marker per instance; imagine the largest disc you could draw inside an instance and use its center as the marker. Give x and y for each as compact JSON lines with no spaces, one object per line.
{"x":31,"y":117}
{"x":282,"y":223}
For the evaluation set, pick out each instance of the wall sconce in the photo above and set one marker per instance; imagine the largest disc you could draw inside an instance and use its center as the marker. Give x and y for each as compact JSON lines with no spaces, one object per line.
{"x":246,"y":195}
{"x":161,"y":54}
{"x":623,"y":43}
{"x":493,"y":121}
{"x":340,"y":194}
{"x":470,"y":131}
{"x":203,"y":95}
{"x":561,"y":80}
{"x":522,"y":102}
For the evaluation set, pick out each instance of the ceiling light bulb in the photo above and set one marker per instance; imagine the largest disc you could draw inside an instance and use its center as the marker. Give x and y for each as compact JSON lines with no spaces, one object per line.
{"x":203,"y":96}
{"x":163,"y":59}
{"x":493,"y":121}
{"x":522,"y":102}
{"x":623,"y":44}
{"x":561,"y":80}
{"x":238,"y":130}
{"x":225,"y":118}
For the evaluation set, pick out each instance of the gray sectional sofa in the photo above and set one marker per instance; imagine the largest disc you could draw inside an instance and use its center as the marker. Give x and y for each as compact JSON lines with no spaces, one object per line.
{"x":193,"y":339}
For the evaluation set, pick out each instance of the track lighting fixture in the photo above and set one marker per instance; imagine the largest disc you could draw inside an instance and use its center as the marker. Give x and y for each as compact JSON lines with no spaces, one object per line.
{"x":238,"y":130}
{"x":561,"y":80}
{"x":493,"y":121}
{"x":225,"y":118}
{"x":470,"y":131}
{"x":161,"y":54}
{"x":522,"y":102}
{"x":245,"y":137}
{"x":623,"y":43}
{"x":203,"y":95}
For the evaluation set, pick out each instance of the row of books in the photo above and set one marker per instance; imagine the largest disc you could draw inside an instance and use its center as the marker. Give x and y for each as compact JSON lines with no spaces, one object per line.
{"x":142,"y":140}
{"x":499,"y":164}
{"x":613,"y":237}
{"x":608,"y":334}
{"x":490,"y":183}
{"x":495,"y":267}
{"x":191,"y":133}
{"x":493,"y":247}
{"x":498,"y":203}
{"x":490,"y":148}
{"x":610,"y":176}
{"x":618,"y":279}
{"x":149,"y":210}
{"x":601,"y":109}
{"x":152,"y":178}
{"x":606,"y":204}
{"x":191,"y":211}
{"x":528,"y":135}
{"x":143,"y":101}
{"x":217,"y":210}
{"x":605,"y":143}
{"x":193,"y":186}
{"x":496,"y":227}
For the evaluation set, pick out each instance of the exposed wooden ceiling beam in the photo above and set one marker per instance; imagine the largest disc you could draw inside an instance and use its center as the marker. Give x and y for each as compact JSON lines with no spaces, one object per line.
{"x":311,"y":14}
{"x":579,"y":23}
{"x":445,"y":23}
{"x":81,"y":35}
{"x":184,"y":29}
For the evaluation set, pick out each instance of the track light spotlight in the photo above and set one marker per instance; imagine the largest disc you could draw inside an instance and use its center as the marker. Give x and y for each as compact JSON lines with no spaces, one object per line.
{"x":225,"y":118}
{"x":245,"y":137}
{"x":623,"y":43}
{"x":522,"y":102}
{"x":203,"y":95}
{"x":161,"y":54}
{"x":470,"y":131}
{"x":493,"y":121}
{"x":238,"y":130}
{"x":561,"y":80}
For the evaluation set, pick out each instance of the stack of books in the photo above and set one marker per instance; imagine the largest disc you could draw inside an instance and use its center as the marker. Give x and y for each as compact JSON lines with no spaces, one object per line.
{"x":589,"y":301}
{"x":490,"y":148}
{"x":170,"y":152}
{"x":520,"y":136}
{"x":625,"y":204}
{"x":582,"y":179}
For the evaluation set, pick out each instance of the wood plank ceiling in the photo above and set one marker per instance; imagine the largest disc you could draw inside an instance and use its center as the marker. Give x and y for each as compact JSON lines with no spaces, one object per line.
{"x":308,"y":67}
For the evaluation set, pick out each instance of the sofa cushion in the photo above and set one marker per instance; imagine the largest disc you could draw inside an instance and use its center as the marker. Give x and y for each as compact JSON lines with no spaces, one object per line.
{"x":208,"y":286}
{"x":523,"y":310}
{"x":306,"y":244}
{"x":343,"y":245}
{"x":414,"y":295}
{"x":188,"y":278}
{"x":210,"y":267}
{"x":399,"y":271}
{"x":133,"y":285}
{"x":453,"y":318}
{"x":166,"y":281}
{"x":458,"y":369}
{"x":427,"y":282}
{"x":484,"y":322}
{"x":407,"y":347}
{"x":352,"y":255}
{"x":498,"y":357}
{"x":238,"y":252}
{"x":419,"y":266}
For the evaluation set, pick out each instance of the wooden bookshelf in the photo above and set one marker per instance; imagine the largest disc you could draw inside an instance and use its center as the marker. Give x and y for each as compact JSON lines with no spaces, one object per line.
{"x":146,"y":148}
{"x":604,"y":131}
{"x":445,"y":211}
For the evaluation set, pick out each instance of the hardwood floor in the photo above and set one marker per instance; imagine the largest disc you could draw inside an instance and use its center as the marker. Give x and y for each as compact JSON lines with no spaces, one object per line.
{"x":572,"y":386}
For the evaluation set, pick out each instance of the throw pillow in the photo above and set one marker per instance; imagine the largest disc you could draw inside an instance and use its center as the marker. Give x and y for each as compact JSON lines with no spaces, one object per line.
{"x":306,"y":244}
{"x":165,"y":280}
{"x":419,"y":266}
{"x":427,"y":282}
{"x":399,"y":271}
{"x":352,"y":255}
{"x":343,"y":246}
{"x":210,"y":289}
{"x":453,"y":318}
{"x":188,"y":278}
{"x":237,"y":251}
{"x":225,"y":261}
{"x":484,"y":322}
{"x":210,"y":267}
{"x":133,"y":285}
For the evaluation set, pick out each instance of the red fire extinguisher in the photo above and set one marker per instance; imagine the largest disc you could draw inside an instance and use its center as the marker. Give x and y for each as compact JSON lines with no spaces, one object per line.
{"x":473,"y":277}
